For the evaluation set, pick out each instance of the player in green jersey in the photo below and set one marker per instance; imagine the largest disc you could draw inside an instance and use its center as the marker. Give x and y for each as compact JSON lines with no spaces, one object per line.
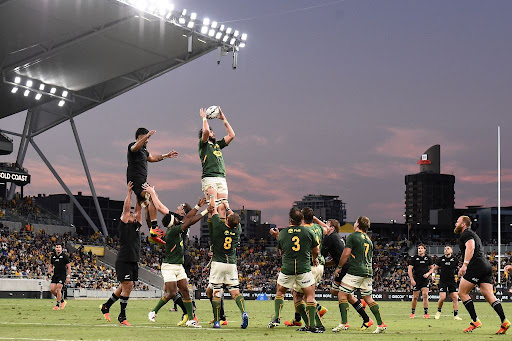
{"x":225,"y":237}
{"x":358,"y":252}
{"x":213,"y":178}
{"x":299,"y":249}
{"x":172,"y":268}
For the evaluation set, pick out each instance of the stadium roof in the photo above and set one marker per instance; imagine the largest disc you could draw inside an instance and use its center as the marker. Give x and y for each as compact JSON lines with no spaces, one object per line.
{"x":60,"y":58}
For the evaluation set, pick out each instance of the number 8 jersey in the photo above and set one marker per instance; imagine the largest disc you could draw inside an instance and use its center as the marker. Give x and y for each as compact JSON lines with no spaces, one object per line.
{"x":296,"y":243}
{"x":224,"y":240}
{"x":360,"y":259}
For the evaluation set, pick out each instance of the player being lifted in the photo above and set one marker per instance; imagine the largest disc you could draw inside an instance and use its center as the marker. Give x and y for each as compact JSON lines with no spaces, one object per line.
{"x":225,"y":237}
{"x":61,"y":269}
{"x":448,"y":266}
{"x":476,"y":270}
{"x":420,"y":268}
{"x":213,"y":179}
{"x":299,"y":249}
{"x":358,"y":253}
{"x":127,"y":267}
{"x":137,"y":172}
{"x":173,"y":271}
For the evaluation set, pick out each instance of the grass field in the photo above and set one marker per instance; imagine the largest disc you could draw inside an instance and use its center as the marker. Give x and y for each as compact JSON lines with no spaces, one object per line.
{"x":32,"y":319}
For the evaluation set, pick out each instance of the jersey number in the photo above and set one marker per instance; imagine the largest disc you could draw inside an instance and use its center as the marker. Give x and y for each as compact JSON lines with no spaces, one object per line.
{"x":227,"y":243}
{"x":296,"y":241}
{"x":367,"y":247}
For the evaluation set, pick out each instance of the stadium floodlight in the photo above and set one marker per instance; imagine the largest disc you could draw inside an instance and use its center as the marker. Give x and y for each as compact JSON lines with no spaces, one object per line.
{"x":218,"y":35}
{"x":190,"y":24}
{"x":232,"y":41}
{"x":17,"y":80}
{"x":244,"y":36}
{"x":14,"y":90}
{"x":236,"y":33}
{"x":53,"y":90}
{"x":168,"y":16}
{"x":41,"y":86}
{"x":228,"y":31}
{"x":225,"y":39}
{"x":242,"y":45}
{"x":182,"y":21}
{"x":26,"y":93}
{"x":193,"y":16}
{"x":29,"y":83}
{"x":184,"y":12}
{"x":222,"y":28}
{"x":38,"y":97}
{"x":65,"y":93}
{"x":61,"y":102}
{"x":141,"y":4}
{"x":211,"y":33}
{"x":214,"y":24}
{"x":206,"y":21}
{"x":204,"y":29}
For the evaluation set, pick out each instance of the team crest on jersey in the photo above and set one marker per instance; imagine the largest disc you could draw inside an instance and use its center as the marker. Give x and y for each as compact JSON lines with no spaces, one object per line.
{"x":217,"y":153}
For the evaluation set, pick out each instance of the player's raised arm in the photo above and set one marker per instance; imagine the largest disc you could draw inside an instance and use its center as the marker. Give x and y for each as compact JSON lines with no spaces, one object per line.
{"x":140,"y":142}
{"x":157,"y":158}
{"x":154,"y":197}
{"x":206,"y":126}
{"x":127,"y":204}
{"x":321,"y":224}
{"x":189,"y":221}
{"x":231,"y":134}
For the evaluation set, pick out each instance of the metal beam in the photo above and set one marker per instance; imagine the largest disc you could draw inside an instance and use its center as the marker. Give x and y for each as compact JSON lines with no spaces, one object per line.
{"x":89,"y":179}
{"x":10,"y":133}
{"x":59,"y":179}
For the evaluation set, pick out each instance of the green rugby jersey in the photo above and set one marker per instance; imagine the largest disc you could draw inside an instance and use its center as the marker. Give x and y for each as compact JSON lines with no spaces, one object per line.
{"x":360,"y":259}
{"x":211,"y":158}
{"x":296,"y":243}
{"x":318,"y":231}
{"x":173,"y":245}
{"x":225,"y":240}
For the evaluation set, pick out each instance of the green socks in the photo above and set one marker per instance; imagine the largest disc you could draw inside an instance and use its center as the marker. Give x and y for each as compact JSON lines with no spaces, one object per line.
{"x":278,"y":305}
{"x":343,"y":304}
{"x":160,"y":304}
{"x":374,"y":307}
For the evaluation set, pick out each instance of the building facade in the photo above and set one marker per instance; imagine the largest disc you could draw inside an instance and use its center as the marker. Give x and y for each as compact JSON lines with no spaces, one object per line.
{"x":324,"y":206}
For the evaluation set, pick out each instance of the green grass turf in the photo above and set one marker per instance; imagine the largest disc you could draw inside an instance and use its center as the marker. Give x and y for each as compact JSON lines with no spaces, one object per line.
{"x":33,"y":319}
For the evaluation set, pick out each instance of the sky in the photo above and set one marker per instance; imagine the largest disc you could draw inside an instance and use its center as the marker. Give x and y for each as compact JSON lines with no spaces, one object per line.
{"x":340,"y":99}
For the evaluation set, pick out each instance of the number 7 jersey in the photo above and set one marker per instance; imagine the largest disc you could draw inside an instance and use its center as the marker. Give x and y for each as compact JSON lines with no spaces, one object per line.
{"x":360,"y":258}
{"x":296,"y":243}
{"x":225,"y":240}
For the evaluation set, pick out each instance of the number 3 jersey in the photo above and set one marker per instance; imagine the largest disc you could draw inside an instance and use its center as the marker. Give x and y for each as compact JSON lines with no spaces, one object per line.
{"x":224,"y":240}
{"x":360,"y":259}
{"x":296,"y":243}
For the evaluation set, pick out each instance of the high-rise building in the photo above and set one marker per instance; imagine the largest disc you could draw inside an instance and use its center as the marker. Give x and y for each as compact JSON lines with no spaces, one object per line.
{"x":428,"y":189}
{"x":325,"y":206}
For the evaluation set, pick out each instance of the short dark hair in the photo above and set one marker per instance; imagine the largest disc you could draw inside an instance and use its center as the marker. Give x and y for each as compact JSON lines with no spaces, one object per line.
{"x":296,"y":216}
{"x":308,"y":214}
{"x":141,"y":131}
{"x":422,"y":245}
{"x":166,"y":220}
{"x":364,"y":223}
{"x":233,"y":220}
{"x":335,"y":224}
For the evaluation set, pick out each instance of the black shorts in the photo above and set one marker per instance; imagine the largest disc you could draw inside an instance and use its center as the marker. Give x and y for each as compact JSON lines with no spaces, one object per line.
{"x":421,"y":282}
{"x":137,"y":188}
{"x":447,"y":287}
{"x":127,"y":271}
{"x":59,"y":279}
{"x":479,"y":274}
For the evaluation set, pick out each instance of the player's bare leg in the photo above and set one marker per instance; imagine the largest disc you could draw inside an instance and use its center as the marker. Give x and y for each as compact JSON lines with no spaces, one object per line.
{"x":311,"y":311}
{"x":221,"y":209}
{"x":187,"y":301}
{"x":57,"y":292}
{"x":300,"y":310}
{"x":465,"y":288}
{"x":278,"y":306}
{"x":424,"y":292}
{"x":455,"y":301}
{"x":487,"y":291}
{"x":442,"y":298}
{"x":240,"y":302}
{"x":126,"y":289}
{"x":374,"y":307}
{"x":415,"y":295}
{"x":222,"y":317}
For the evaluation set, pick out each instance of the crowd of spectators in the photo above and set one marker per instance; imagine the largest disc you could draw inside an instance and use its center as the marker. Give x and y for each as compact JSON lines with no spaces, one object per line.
{"x":26,"y":210}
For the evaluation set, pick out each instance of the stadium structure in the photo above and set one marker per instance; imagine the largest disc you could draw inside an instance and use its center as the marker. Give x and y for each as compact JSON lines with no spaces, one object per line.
{"x":76,"y":55}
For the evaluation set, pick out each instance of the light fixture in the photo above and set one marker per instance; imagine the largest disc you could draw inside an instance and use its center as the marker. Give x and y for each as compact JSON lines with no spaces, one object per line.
{"x":65,"y":93}
{"x":17,"y":80}
{"x":193,"y":16}
{"x":232,"y":41}
{"x":226,"y":37}
{"x":38,"y":97}
{"x":242,"y":45}
{"x":29,"y":83}
{"x":53,"y":90}
{"x":14,"y":90}
{"x":204,"y":29}
{"x":211,"y":33}
{"x":26,"y":93}
{"x":214,"y":24}
{"x":41,"y":87}
{"x":218,"y":35}
{"x":236,"y":33}
{"x":244,"y":36}
{"x":182,"y":21}
{"x":190,"y":24}
{"x":228,"y":31}
{"x":221,"y":27}
{"x":61,"y":102}
{"x":206,"y":21}
{"x":184,"y":12}
{"x":168,"y":15}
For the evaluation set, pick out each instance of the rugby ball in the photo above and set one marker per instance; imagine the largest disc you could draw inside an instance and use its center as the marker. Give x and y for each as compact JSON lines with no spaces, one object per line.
{"x":212,"y":112}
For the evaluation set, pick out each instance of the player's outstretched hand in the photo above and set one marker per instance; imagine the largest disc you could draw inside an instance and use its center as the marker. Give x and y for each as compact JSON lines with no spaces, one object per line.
{"x":172,"y":154}
{"x":130,"y":186}
{"x":151,"y":190}
{"x":210,"y":209}
{"x":462,"y":270}
{"x":202,"y":113}
{"x":315,"y":262}
{"x":201,"y":202}
{"x":425,"y":275}
{"x":151,"y":132}
{"x":274,"y":232}
{"x":413,"y":282}
{"x":221,"y":115}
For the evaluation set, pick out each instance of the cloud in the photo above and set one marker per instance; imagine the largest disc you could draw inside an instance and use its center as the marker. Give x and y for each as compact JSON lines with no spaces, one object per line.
{"x":484,"y":177}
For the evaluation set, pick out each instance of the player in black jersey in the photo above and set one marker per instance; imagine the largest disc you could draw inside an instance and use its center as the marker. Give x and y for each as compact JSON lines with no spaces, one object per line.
{"x":137,"y":172}
{"x":476,"y":270}
{"x":420,"y":268}
{"x":61,"y":269}
{"x":127,"y":267}
{"x":447,"y":267}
